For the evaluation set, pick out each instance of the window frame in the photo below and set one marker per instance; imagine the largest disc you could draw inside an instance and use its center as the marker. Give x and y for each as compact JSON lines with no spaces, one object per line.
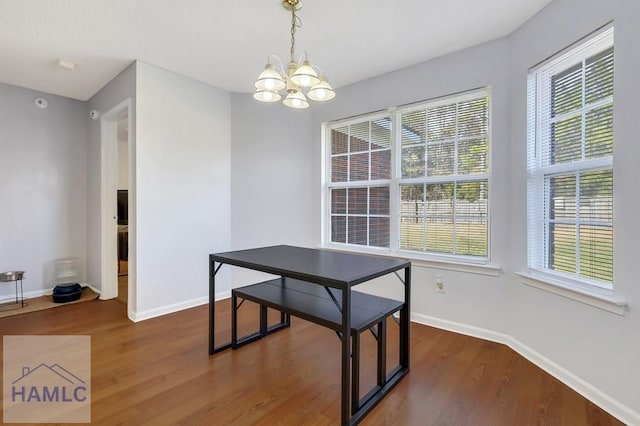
{"x":539,"y":170}
{"x":394,"y":183}
{"x":328,"y":185}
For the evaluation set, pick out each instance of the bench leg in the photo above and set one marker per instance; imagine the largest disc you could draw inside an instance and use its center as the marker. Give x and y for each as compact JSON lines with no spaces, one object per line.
{"x":382,"y":352}
{"x":355,"y":371}
{"x":285,"y":319}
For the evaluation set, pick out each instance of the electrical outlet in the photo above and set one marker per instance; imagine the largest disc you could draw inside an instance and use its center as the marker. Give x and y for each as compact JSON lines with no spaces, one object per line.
{"x":439,"y":283}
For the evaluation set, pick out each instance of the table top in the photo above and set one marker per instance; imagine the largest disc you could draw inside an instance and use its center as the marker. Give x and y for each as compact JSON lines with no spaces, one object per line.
{"x":321,"y":266}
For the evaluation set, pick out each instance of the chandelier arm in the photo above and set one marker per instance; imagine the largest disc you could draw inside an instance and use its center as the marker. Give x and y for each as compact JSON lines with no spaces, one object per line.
{"x":279,"y":67}
{"x":315,"y":67}
{"x":304,"y":54}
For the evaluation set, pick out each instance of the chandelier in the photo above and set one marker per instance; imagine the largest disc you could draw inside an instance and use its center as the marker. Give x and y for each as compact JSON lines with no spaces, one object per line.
{"x":297,"y":76}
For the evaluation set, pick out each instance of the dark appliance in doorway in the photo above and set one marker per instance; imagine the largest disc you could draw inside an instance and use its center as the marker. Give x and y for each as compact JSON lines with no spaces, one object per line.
{"x":123,"y":224}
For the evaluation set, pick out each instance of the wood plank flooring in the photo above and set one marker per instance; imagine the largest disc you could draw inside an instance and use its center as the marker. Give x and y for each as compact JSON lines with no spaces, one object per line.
{"x":159,"y":372}
{"x":123,"y":280}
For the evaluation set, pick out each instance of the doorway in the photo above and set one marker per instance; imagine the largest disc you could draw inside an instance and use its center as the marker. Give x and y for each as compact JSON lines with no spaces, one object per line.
{"x":118,"y":205}
{"x":122,"y":200}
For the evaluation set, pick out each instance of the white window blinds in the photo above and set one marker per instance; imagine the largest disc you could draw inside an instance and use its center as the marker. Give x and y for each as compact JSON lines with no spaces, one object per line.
{"x":444,"y":187}
{"x":360,"y":172}
{"x":570,"y":162}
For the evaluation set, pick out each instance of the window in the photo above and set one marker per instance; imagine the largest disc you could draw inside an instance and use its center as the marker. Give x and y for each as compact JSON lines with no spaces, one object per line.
{"x":360,"y":179}
{"x":570,"y":163}
{"x":443,"y":180}
{"x":435,"y":201}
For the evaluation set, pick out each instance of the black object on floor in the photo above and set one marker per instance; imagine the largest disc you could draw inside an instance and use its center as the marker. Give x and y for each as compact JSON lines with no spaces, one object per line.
{"x":68,"y":292}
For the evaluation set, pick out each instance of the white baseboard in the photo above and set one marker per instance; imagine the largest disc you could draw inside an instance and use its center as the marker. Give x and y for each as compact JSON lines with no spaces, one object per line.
{"x":457,"y":327}
{"x":593,"y":394}
{"x":39,"y":293}
{"x":169,"y":309}
{"x":27,"y":295}
{"x":91,"y":287}
{"x":223,"y":295}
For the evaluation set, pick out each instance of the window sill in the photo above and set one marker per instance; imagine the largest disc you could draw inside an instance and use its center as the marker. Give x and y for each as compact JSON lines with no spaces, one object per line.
{"x":448,"y":265}
{"x":435,"y":263}
{"x":603,"y":299}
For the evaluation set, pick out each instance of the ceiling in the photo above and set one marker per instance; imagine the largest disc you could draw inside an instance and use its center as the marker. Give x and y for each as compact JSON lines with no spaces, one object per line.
{"x":226,"y":43}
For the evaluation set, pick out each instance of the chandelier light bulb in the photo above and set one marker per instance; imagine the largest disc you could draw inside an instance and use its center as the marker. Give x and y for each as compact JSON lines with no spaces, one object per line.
{"x":321,"y":91}
{"x":305,"y":75}
{"x":267,"y":96}
{"x":296,"y":99}
{"x":270,"y":79}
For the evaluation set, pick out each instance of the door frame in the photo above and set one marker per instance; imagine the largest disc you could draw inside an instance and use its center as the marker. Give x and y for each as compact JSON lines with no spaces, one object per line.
{"x":108,"y":202}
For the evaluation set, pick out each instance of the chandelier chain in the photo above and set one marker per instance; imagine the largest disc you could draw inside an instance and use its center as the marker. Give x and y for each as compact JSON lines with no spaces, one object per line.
{"x":295,"y":23}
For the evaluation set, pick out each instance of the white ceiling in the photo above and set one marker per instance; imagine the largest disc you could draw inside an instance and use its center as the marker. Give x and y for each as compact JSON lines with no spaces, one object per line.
{"x":226,"y":43}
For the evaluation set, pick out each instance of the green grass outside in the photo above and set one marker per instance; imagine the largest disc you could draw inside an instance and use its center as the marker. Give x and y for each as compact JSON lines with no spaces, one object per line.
{"x":596,"y":252}
{"x":470,"y":239}
{"x":596,"y":247}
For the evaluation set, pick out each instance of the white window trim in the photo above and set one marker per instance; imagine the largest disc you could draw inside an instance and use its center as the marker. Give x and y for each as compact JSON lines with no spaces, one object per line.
{"x":460,"y":263}
{"x":427,"y":261}
{"x":581,"y":289}
{"x":575,"y":290}
{"x":327,"y":185}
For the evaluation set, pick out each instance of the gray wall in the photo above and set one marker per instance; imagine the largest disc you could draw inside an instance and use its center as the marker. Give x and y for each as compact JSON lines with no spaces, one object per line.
{"x":43,"y":186}
{"x":180,"y":131}
{"x":183,"y":151}
{"x":271,"y":177}
{"x":270,"y":174}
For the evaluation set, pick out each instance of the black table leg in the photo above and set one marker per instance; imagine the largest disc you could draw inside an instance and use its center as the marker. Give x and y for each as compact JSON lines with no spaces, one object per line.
{"x":404,"y":320}
{"x":212,"y":305}
{"x":263,"y":320}
{"x":346,"y":362}
{"x":212,"y":309}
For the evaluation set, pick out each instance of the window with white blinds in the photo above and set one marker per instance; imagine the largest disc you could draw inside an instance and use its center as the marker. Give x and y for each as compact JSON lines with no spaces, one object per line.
{"x":570,"y":162}
{"x":360,"y":175}
{"x":444,"y":186}
{"x":434,"y":200}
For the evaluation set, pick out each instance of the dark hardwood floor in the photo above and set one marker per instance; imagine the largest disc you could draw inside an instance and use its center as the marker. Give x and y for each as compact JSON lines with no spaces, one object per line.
{"x":159,"y":372}
{"x":123,"y":280}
